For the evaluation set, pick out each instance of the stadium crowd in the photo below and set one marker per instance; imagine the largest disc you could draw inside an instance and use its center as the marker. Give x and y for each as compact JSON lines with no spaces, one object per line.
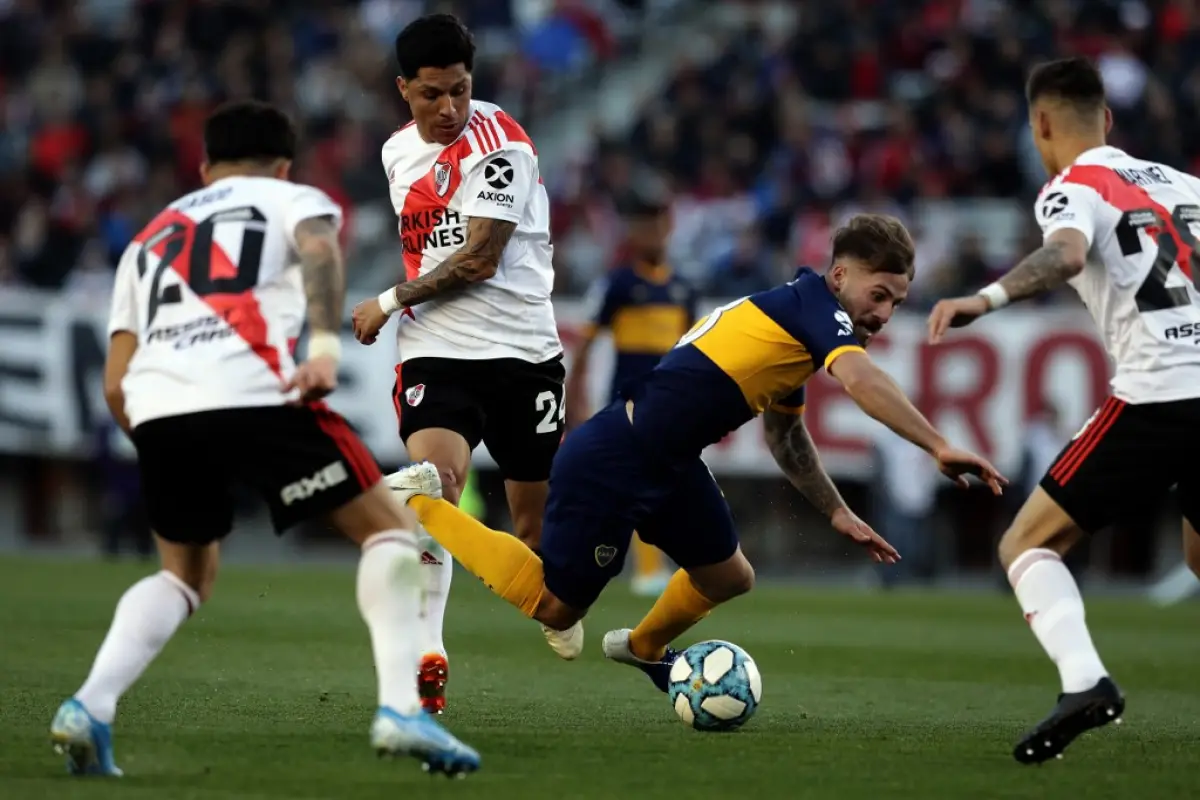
{"x":864,"y":105}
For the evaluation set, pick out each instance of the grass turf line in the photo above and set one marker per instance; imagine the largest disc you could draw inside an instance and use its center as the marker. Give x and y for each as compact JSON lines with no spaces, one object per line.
{"x":268,"y":690}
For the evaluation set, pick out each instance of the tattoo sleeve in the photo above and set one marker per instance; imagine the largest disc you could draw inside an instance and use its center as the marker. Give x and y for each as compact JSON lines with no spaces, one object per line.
{"x":1046,"y":268}
{"x":324,"y":275}
{"x":796,"y":455}
{"x":474,"y":262}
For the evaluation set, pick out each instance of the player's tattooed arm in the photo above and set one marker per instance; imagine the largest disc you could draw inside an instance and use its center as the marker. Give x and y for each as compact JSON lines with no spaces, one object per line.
{"x":322,"y":268}
{"x":474,"y":262}
{"x":797,"y":456}
{"x":1050,"y":266}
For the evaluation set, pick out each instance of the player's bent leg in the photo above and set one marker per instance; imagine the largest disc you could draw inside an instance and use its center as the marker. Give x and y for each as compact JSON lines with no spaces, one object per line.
{"x":146,"y":618}
{"x":389,"y":596}
{"x":447,"y":450}
{"x":509,"y":568}
{"x":689,"y":597}
{"x":650,"y":573}
{"x":1031,"y":552}
{"x":527,"y":505}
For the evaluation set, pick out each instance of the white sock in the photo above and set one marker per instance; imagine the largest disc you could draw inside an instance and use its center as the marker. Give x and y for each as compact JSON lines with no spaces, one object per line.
{"x":147,"y":615}
{"x":1054,"y":610}
{"x":437,"y":569}
{"x":389,"y":599}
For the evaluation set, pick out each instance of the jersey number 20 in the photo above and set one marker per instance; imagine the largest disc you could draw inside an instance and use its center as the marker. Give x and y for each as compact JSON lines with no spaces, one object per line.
{"x":188,"y":247}
{"x":1171,"y":235}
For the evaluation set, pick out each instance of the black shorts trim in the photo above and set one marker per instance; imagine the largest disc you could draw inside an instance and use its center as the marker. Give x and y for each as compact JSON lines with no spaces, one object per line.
{"x":304,"y":461}
{"x":514,"y":407}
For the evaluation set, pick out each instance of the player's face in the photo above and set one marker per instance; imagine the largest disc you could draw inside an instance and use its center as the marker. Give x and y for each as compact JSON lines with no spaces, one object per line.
{"x":648,"y":236}
{"x":871,"y":298}
{"x":440,"y":101}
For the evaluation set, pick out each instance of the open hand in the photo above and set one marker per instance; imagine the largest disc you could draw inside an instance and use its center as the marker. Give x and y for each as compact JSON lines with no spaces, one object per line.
{"x":847,"y":524}
{"x":957,"y":464}
{"x":369,"y":320}
{"x":955,"y":313}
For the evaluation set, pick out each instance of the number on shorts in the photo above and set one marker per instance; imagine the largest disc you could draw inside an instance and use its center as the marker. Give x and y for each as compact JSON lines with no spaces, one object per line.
{"x":705,"y":325}
{"x":555,"y":412}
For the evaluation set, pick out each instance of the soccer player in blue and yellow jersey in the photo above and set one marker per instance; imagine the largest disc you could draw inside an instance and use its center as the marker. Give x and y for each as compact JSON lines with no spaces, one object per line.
{"x":646,"y":307}
{"x":636,"y":464}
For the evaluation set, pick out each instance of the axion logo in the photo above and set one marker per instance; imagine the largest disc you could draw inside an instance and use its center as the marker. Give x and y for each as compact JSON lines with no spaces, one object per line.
{"x":325,"y":478}
{"x":499,"y":198}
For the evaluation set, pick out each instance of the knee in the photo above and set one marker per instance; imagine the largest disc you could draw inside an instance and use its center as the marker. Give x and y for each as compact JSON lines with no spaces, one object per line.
{"x":554,"y":613}
{"x":200,"y":579}
{"x":735,"y":580}
{"x":452,"y":484}
{"x":1017,"y":541}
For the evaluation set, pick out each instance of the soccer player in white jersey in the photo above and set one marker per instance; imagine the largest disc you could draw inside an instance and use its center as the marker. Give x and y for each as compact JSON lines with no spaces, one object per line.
{"x":208,"y":301}
{"x":1122,"y":232}
{"x":479,"y":354}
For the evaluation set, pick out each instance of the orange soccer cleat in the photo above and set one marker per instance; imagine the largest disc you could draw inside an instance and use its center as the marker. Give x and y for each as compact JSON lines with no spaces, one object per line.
{"x":431,"y":682}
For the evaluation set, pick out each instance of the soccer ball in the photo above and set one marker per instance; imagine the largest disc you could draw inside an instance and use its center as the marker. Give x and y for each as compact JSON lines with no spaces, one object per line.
{"x":715,"y":686}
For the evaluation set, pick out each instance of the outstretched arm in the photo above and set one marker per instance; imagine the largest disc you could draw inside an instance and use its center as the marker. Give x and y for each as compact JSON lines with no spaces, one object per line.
{"x":474,"y":262}
{"x":796,"y":455}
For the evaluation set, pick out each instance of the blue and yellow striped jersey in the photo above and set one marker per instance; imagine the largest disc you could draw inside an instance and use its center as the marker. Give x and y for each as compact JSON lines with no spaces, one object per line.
{"x":647,"y":309}
{"x":743,"y":358}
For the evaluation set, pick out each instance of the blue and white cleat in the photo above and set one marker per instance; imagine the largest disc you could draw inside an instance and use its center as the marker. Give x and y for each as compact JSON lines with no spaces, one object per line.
{"x":84,"y":740}
{"x":420,"y":736}
{"x":616,"y":647}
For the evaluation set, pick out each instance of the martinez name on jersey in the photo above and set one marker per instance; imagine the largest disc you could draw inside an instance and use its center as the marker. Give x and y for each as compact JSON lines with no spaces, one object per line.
{"x":491,"y":171}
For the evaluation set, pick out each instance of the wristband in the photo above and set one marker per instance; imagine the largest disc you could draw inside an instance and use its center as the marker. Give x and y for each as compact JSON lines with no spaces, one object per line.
{"x":388,"y":302}
{"x":324,"y":344}
{"x":995,"y":296}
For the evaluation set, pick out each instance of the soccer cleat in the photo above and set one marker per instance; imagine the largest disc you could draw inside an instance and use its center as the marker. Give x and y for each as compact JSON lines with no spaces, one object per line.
{"x":431,"y":682}
{"x":420,"y":478}
{"x":616,"y":646}
{"x":1075,"y":713}
{"x":84,"y":740}
{"x":567,"y":644}
{"x":420,"y":736}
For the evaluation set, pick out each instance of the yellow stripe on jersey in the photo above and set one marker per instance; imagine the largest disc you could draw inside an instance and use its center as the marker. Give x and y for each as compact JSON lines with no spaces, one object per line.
{"x":841,"y":351}
{"x":648,"y":328}
{"x":753,"y":350}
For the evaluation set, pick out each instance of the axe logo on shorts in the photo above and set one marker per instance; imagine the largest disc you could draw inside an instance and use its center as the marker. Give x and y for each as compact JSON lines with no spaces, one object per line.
{"x":326,"y":477}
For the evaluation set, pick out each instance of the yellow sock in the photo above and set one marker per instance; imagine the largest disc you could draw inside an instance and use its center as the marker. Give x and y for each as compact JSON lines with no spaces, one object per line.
{"x":502,"y":562}
{"x":647,"y":559}
{"x":678,"y":608}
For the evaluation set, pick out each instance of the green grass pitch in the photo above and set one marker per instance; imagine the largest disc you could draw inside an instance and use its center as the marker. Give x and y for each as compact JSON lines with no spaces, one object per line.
{"x":268,"y":691}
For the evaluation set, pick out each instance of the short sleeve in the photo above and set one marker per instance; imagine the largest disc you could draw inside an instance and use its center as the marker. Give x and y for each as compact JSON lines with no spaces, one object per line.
{"x":308,"y":202}
{"x":1068,"y":204}
{"x":823,"y":326}
{"x":792,"y":403}
{"x":499,"y":186}
{"x":122,"y":315}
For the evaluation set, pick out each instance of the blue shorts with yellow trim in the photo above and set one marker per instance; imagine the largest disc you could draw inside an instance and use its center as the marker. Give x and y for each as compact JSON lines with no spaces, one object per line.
{"x":604,"y":485}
